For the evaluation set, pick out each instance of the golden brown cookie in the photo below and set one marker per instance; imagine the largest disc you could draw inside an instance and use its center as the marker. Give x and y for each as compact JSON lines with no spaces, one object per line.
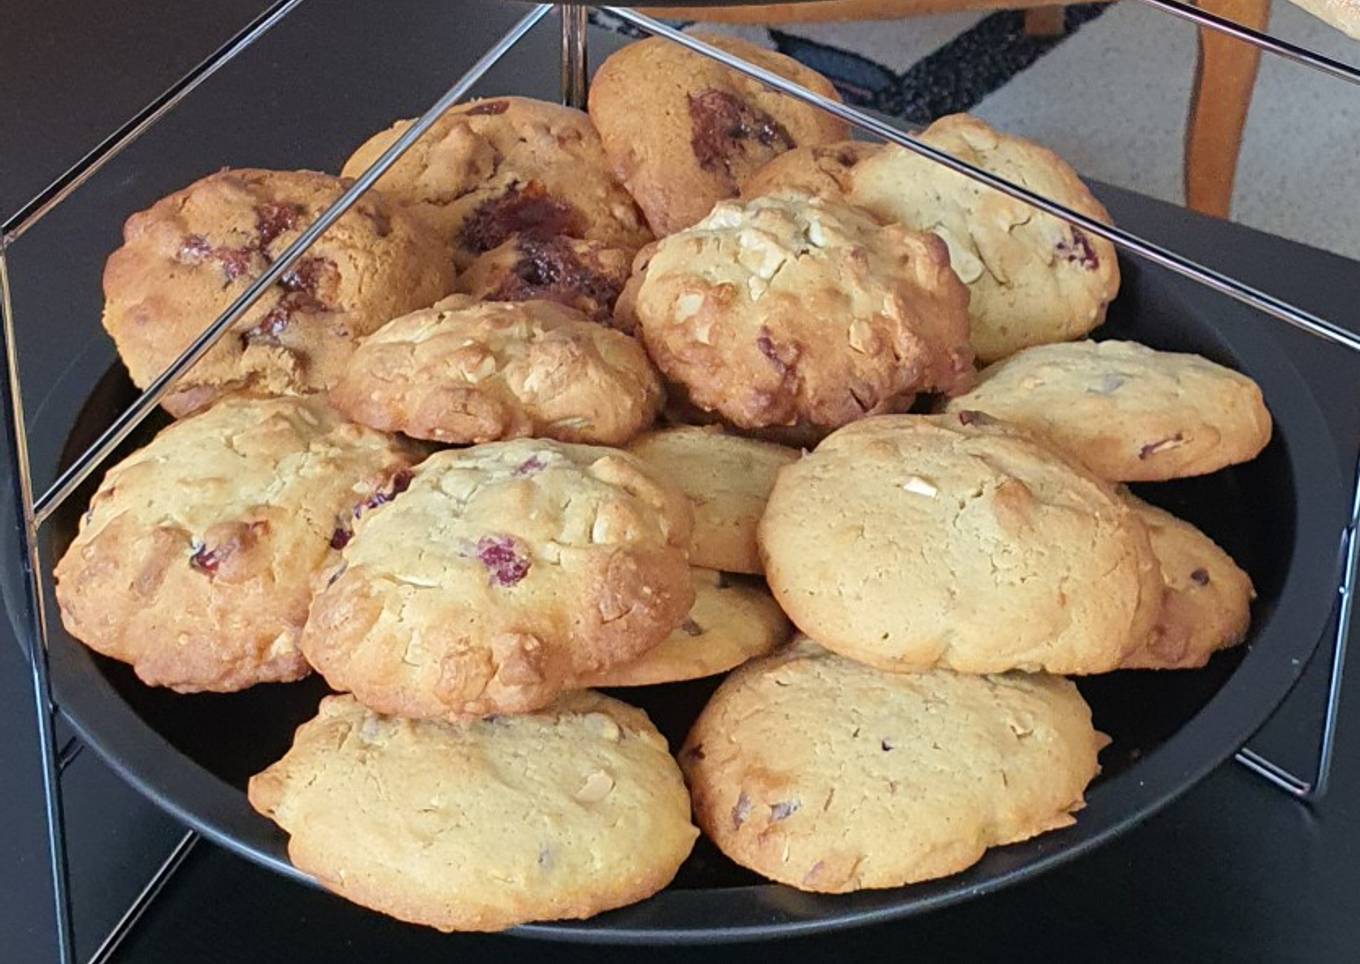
{"x":733,"y":619}
{"x":1207,"y":606}
{"x":188,"y":256}
{"x":824,"y":170}
{"x":829,"y":776}
{"x":502,"y":572}
{"x":728,"y":479}
{"x":491,"y":169}
{"x":194,"y":561}
{"x":1127,"y":412}
{"x":914,"y":541}
{"x":1033,"y":278}
{"x":790,"y":310}
{"x":682,"y":131}
{"x":483,"y":824}
{"x":585,"y":275}
{"x":466,"y":371}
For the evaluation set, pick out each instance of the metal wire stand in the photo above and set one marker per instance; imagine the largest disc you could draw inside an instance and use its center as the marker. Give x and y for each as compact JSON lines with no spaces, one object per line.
{"x":33,"y":510}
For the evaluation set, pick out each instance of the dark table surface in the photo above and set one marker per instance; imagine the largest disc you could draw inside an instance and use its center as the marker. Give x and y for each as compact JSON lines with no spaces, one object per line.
{"x":1233,"y":870}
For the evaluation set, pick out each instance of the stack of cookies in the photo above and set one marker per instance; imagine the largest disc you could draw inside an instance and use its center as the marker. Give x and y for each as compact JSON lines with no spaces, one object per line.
{"x":623,"y":399}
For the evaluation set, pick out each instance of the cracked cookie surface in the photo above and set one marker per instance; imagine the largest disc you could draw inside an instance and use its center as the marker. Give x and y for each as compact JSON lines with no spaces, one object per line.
{"x":830,"y":776}
{"x":188,"y":256}
{"x":732,"y":620}
{"x":824,"y":170}
{"x":483,"y":824}
{"x":912,"y":541}
{"x":1032,"y":278}
{"x":501,"y":572}
{"x":194,"y":560}
{"x":790,"y":310}
{"x":1207,"y":606}
{"x":728,"y":479}
{"x":491,"y":169}
{"x":683,"y":131}
{"x":1127,"y":412}
{"x":465,"y":372}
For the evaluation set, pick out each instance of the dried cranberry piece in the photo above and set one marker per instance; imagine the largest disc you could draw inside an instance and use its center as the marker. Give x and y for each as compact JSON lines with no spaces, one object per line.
{"x":524,"y":209}
{"x":1079,"y":251}
{"x":781,"y":356}
{"x":401,"y":481}
{"x":498,"y":554}
{"x":205,"y":559}
{"x":234,"y":261}
{"x":270,"y":327}
{"x":721,"y":124}
{"x":340,"y":537}
{"x":487,"y":107}
{"x":533,"y":464}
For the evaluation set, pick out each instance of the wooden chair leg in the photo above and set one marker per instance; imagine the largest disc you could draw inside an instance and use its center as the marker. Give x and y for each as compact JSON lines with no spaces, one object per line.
{"x":1224,"y":79}
{"x":1045,"y":21}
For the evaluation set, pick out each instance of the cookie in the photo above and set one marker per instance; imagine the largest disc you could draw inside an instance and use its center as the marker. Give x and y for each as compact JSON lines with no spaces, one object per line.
{"x":188,"y":256}
{"x":193,"y":563}
{"x":491,"y":169}
{"x":483,"y":824}
{"x":914,"y":541}
{"x":829,"y":776}
{"x":728,"y":479}
{"x":585,"y":275}
{"x":1127,"y":412}
{"x":1207,"y":606}
{"x":824,"y":170}
{"x":682,"y":131}
{"x":500,"y":573}
{"x":792,"y":310}
{"x":1033,"y":278}
{"x":466,"y":371}
{"x":733,"y":620}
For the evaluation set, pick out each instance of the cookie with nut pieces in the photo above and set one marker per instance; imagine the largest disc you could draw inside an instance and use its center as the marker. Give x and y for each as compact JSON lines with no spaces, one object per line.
{"x":791,"y":310}
{"x":189,"y":255}
{"x":502,"y":572}
{"x":194,"y":561}
{"x":914,"y":541}
{"x":733,"y":619}
{"x":483,"y":824}
{"x":1127,"y":412}
{"x":830,"y":776}
{"x":491,"y":169}
{"x":467,"y":371}
{"x":683,"y":132}
{"x":1032,"y":278}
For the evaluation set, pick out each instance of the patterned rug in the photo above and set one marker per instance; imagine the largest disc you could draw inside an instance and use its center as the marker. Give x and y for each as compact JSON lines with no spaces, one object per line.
{"x":954,"y":77}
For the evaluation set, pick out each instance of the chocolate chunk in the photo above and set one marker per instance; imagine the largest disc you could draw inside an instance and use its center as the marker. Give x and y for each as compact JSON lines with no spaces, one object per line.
{"x":549,"y":268}
{"x":1200,"y":577}
{"x":1079,"y":251}
{"x":696,"y":752}
{"x":887,"y":744}
{"x":525,"y":209}
{"x":498,"y":554}
{"x":271,"y":220}
{"x":781,"y":356}
{"x":487,"y":107}
{"x":969,"y":417}
{"x":722,"y":124}
{"x":400,"y":482}
{"x":340,"y":537}
{"x":690,"y":628}
{"x":1152,"y":448}
{"x":234,"y":261}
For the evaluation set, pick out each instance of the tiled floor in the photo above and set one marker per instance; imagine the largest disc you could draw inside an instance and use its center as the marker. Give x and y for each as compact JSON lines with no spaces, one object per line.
{"x":1113,"y":99}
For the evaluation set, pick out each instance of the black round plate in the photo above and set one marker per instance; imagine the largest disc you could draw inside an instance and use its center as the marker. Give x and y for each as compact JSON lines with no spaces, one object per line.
{"x":193,"y":754}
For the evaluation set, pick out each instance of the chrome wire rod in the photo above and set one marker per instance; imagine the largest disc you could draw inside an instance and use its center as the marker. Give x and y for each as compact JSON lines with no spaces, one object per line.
{"x":1148,"y":250}
{"x":113,"y":436}
{"x":1268,"y":43}
{"x":575,"y":67}
{"x":113,"y":145}
{"x":35,"y":616}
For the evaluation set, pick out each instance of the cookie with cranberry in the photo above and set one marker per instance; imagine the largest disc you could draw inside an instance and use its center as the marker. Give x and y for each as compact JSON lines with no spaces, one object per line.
{"x":491,"y":169}
{"x":1207,"y":606}
{"x":466,"y":371}
{"x":482,"y":824}
{"x":188,"y":256}
{"x":733,"y":619}
{"x":830,"y":776}
{"x":683,"y":132}
{"x":585,"y":275}
{"x":791,"y":310}
{"x":914,"y":541}
{"x":727,"y":478}
{"x":501,"y":573}
{"x":1127,"y":412}
{"x":194,"y":561}
{"x":824,"y":170}
{"x":1033,"y":278}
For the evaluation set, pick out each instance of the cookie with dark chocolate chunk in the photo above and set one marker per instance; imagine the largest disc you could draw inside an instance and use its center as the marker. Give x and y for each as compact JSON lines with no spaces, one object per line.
{"x":585,"y":275}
